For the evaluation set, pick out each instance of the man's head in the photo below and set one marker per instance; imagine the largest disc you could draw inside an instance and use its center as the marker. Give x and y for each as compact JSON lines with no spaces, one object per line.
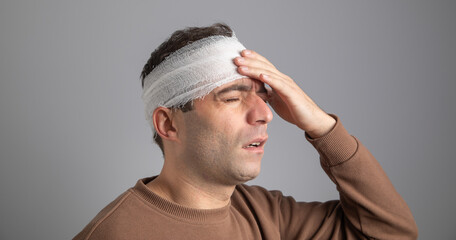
{"x":176,"y":41}
{"x":219,"y":136}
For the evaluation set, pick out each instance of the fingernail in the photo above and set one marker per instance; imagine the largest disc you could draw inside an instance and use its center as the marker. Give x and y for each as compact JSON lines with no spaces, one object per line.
{"x":247,"y":52}
{"x":240,"y":60}
{"x":243,"y":68}
{"x":265,"y":77}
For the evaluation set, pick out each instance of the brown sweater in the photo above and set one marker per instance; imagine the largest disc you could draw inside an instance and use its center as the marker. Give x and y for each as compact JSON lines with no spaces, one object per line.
{"x":369,"y":206}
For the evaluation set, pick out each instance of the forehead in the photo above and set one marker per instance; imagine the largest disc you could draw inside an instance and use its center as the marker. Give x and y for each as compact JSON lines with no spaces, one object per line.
{"x":248,"y":83}
{"x":252,"y":83}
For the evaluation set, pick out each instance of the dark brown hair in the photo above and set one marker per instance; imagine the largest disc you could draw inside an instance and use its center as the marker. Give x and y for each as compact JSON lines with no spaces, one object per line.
{"x":177,"y":40}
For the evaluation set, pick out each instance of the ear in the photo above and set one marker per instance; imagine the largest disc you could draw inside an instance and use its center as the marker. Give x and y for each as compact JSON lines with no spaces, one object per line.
{"x":164,"y":123}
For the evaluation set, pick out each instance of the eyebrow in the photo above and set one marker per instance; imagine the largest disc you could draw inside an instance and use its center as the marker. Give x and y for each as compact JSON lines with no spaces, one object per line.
{"x":239,"y":87}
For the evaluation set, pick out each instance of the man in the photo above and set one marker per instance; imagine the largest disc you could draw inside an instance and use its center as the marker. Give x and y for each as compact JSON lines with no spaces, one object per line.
{"x":206,"y":101}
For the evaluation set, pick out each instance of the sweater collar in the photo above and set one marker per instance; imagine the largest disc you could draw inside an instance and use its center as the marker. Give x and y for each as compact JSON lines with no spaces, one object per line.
{"x":172,"y":209}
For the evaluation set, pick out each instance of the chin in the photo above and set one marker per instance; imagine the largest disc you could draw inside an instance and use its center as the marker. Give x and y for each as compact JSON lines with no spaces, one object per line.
{"x":247,"y":176}
{"x":246,"y":170}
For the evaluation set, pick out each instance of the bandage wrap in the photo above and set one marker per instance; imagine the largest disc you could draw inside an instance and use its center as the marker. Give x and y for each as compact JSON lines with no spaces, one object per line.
{"x":190,"y":73}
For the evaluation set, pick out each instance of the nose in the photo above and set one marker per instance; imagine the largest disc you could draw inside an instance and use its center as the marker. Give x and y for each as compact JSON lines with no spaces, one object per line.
{"x":259,"y":112}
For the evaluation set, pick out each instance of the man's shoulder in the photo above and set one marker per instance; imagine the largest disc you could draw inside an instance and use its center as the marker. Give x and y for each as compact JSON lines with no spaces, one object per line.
{"x":108,"y":213}
{"x":124,"y":215}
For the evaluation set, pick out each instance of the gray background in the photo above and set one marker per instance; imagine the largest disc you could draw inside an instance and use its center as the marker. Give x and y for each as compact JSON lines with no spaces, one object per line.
{"x":73,"y":134}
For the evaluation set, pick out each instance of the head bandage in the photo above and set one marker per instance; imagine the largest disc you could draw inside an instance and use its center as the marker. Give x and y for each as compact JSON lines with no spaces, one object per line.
{"x":191,"y":72}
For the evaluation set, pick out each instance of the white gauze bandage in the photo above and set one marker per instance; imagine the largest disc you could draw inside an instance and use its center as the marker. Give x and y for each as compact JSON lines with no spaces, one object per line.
{"x":191,"y":72}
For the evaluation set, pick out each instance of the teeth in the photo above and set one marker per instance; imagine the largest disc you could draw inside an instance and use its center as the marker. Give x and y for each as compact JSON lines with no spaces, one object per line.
{"x":253,"y":145}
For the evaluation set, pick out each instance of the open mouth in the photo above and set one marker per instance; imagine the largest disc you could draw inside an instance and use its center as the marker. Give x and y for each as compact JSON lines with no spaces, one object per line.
{"x":257,"y":143}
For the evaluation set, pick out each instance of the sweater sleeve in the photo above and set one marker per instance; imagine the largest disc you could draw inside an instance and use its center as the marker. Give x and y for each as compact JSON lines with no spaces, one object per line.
{"x":369,"y":206}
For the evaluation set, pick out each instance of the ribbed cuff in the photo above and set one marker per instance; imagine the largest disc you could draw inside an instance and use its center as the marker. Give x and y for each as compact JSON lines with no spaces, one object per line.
{"x":335,"y":147}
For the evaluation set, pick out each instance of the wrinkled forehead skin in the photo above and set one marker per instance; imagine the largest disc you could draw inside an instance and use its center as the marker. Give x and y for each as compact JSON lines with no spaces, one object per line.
{"x":243,"y":84}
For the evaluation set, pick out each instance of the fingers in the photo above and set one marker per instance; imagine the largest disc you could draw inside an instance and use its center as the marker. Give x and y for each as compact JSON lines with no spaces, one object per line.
{"x":255,"y":60}
{"x":284,"y":89}
{"x":277,"y":82}
{"x":255,"y":66}
{"x":252,"y":54}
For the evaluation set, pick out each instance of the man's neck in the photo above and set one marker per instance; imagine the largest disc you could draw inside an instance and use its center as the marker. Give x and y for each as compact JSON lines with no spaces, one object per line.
{"x":189,"y":192}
